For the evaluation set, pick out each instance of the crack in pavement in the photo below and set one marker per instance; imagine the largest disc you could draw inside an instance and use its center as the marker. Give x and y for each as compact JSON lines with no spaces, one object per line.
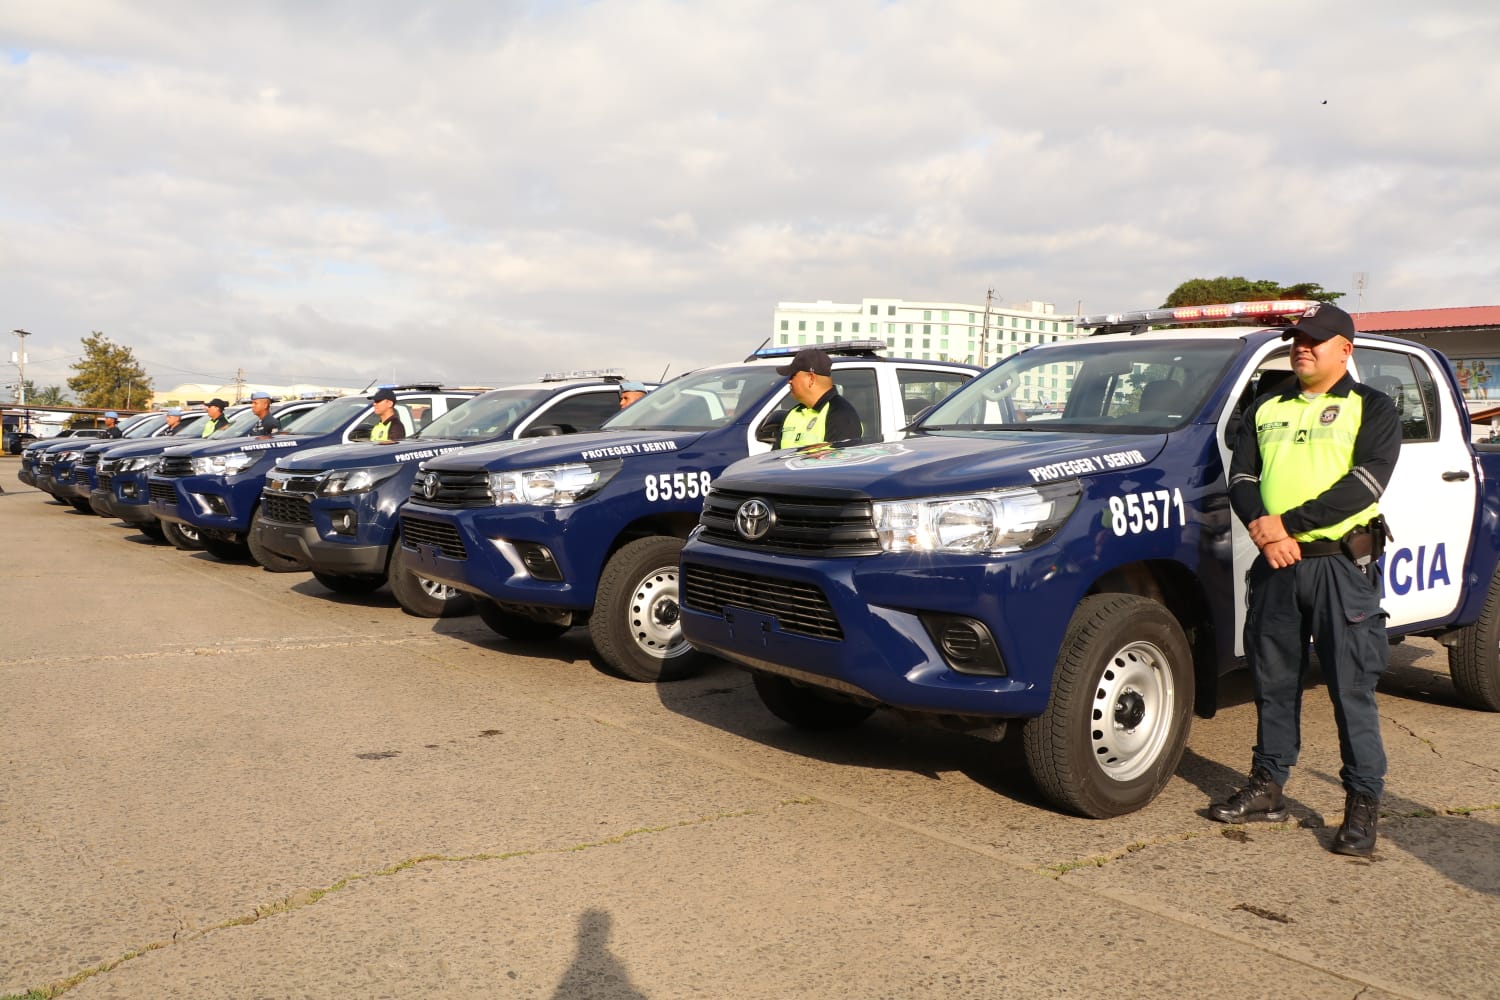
{"x":309,"y":897}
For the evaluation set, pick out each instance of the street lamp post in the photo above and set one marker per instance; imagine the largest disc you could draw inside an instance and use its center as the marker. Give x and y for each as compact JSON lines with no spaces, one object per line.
{"x":21,"y":389}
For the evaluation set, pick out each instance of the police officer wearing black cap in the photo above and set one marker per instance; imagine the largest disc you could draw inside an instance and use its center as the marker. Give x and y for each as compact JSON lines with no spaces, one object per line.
{"x":1309,"y":467}
{"x":215,"y":420}
{"x":388,"y":428}
{"x":821,"y":414}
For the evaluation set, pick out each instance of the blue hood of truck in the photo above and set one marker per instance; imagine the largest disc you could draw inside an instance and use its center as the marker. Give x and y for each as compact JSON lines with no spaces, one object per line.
{"x":529,"y":453}
{"x":936,"y":464}
{"x":364,"y":455}
{"x":145,"y":446}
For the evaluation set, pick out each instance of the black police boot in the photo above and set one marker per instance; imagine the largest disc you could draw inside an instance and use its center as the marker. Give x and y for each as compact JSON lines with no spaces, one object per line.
{"x":1356,"y":834}
{"x":1260,"y":800}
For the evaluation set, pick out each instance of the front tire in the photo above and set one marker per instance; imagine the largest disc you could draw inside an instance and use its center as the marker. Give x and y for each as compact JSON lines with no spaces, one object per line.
{"x":272,"y":562}
{"x":1474,"y":660}
{"x":422,"y":597}
{"x":1121,"y":707}
{"x":806,"y":707}
{"x":636,"y":625}
{"x":183,"y":536}
{"x":517,"y":627}
{"x":225,"y":550}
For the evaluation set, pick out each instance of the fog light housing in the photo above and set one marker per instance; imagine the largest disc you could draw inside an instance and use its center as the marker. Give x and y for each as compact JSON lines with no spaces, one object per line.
{"x":213,"y":503}
{"x":344,"y":522}
{"x":128,"y":490}
{"x":965,"y":644}
{"x":538,"y":561}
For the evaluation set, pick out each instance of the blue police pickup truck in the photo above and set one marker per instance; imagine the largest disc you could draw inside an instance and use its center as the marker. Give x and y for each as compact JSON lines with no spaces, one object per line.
{"x":122,"y":488}
{"x":214,"y":486}
{"x":1073,"y":563}
{"x":336,"y":508}
{"x":586,"y":529}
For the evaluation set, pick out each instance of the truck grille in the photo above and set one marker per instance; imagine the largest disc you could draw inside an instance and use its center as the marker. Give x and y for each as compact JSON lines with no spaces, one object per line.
{"x":286,"y":509}
{"x":165,"y":492}
{"x":452,"y":489}
{"x":440,"y":535}
{"x":802,"y":525}
{"x":175,"y":465}
{"x":89,"y":459}
{"x":799,"y":608}
{"x":106,"y":481}
{"x":294,"y":482}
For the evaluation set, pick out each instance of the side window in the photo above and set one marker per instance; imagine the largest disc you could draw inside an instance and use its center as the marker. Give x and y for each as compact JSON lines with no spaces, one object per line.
{"x":1273,"y":375}
{"x":858,"y":386}
{"x":920,"y":389}
{"x":1410,"y":387}
{"x":584,"y":411}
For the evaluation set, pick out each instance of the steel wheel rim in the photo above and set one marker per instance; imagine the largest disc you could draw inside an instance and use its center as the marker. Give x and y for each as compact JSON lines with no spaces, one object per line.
{"x":436,"y":591}
{"x":655,"y":622}
{"x":1131,"y":717}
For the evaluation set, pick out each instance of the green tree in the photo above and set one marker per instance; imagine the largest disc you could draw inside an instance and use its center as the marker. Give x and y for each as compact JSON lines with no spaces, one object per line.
{"x":1209,"y":291}
{"x":109,"y":376}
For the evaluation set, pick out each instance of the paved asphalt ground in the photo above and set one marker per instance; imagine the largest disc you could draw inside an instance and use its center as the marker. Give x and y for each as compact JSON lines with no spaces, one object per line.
{"x":221,"y":782}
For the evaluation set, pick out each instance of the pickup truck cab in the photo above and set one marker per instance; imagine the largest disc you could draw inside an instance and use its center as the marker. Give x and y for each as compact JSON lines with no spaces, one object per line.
{"x":554,"y":532}
{"x":1077,"y":567}
{"x":215,"y":485}
{"x":336,"y":509}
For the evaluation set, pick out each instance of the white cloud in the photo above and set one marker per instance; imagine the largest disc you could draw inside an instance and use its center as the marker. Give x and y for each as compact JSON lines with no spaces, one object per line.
{"x":336,"y":191}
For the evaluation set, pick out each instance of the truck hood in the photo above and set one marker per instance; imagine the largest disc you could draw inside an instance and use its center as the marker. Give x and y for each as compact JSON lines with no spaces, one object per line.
{"x":364,"y":455}
{"x":145,"y":446}
{"x":937,"y":464}
{"x":530,"y":453}
{"x":229,"y":446}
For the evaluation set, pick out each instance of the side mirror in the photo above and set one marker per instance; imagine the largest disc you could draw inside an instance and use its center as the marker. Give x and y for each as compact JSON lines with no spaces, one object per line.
{"x":361,"y":433}
{"x":770,"y":431}
{"x":542,"y":431}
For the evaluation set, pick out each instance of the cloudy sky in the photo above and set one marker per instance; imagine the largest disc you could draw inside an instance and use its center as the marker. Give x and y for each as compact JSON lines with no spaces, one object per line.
{"x":481,"y":190}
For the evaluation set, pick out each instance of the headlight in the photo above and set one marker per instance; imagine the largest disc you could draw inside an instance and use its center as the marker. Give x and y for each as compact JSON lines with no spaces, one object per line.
{"x":995,"y":521}
{"x":342,"y":481}
{"x":147,"y":462}
{"x":554,"y":485}
{"x":225,"y":465}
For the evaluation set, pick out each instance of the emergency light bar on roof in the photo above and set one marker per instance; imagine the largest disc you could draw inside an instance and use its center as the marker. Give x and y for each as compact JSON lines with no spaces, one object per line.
{"x":865,"y":347}
{"x":1274,"y":313}
{"x":618,"y":374}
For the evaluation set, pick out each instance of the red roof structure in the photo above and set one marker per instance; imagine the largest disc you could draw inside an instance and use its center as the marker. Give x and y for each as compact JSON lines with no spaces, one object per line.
{"x":1460,"y":318}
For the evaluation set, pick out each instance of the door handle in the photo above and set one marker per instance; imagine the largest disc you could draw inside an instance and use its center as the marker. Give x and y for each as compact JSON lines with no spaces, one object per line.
{"x":1456,"y":477}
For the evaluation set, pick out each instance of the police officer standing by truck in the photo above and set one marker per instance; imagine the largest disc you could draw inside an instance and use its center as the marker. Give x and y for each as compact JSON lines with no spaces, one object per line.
{"x":174,"y":422}
{"x":1309,"y":467}
{"x":265,"y":425}
{"x":215,"y":419}
{"x":112,"y":425}
{"x":821,"y":414}
{"x":388,"y":428}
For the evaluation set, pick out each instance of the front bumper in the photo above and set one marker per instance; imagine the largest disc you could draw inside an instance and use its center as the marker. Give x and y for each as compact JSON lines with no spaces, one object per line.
{"x":209,"y":503}
{"x":875,"y":622}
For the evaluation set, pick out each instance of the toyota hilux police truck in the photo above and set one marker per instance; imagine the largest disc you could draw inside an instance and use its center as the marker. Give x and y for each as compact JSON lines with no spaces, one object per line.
{"x":585,"y":529}
{"x":1053,"y":545}
{"x":336,"y":508}
{"x":214,"y":486}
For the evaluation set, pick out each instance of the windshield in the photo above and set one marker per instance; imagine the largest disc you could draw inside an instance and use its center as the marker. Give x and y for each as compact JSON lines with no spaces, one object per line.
{"x":331,"y":416}
{"x":488,"y":416}
{"x":698,"y":401}
{"x":1123,"y":386}
{"x":144,"y":426}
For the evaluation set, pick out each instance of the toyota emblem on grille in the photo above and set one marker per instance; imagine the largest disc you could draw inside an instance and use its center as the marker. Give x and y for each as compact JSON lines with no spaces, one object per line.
{"x":754,"y":519}
{"x":430,"y":485}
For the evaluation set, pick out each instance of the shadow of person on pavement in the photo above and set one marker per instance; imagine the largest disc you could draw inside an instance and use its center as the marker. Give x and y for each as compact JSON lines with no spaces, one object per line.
{"x":595,"y":973}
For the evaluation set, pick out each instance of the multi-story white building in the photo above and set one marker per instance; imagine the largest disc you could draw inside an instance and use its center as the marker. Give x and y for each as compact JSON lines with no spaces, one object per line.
{"x":955,"y":331}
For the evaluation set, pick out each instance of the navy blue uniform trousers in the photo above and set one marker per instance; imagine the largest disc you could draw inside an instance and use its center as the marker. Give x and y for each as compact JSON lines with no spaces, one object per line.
{"x":1337,"y":605}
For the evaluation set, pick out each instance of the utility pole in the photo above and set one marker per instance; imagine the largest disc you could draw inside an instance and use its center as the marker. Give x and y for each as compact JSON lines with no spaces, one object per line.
{"x":21,"y":386}
{"x":239,"y":385}
{"x":984,"y":335}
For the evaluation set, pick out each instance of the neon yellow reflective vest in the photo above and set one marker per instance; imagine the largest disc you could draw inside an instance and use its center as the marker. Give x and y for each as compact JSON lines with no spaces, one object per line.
{"x":804,"y":425}
{"x":381,"y":432}
{"x":1307,"y":445}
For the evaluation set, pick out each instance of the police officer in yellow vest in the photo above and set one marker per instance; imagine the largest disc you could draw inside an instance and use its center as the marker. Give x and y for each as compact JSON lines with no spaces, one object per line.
{"x":821,"y":414}
{"x":1308,"y":470}
{"x":388,"y":427}
{"x":215,"y":419}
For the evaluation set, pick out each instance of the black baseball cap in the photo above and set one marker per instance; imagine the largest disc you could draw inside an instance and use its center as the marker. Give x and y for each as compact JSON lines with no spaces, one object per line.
{"x":383,"y":394}
{"x":809,"y":359}
{"x":216,"y":401}
{"x":1321,"y":322}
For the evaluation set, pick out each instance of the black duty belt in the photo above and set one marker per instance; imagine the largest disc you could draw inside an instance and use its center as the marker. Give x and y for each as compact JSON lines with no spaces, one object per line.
{"x":1321,"y":547}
